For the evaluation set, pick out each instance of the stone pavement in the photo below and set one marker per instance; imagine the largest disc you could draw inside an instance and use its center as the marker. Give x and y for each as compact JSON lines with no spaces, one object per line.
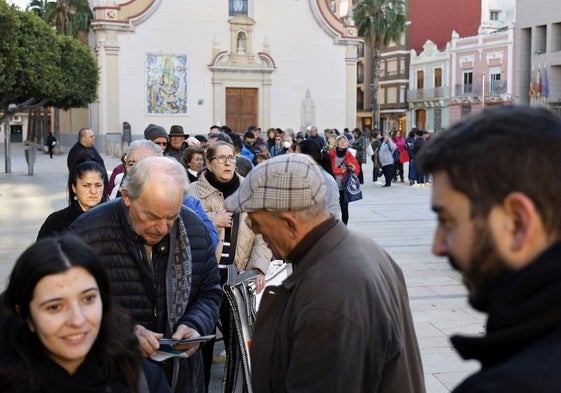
{"x":397,"y":217}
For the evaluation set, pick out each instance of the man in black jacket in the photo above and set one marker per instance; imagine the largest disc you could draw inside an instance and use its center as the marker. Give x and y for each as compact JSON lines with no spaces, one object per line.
{"x":497,"y":200}
{"x":161,"y":263}
{"x":84,"y":150}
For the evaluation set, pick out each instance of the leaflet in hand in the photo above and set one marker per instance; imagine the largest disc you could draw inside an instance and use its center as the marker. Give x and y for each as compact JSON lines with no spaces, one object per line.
{"x":172,"y":348}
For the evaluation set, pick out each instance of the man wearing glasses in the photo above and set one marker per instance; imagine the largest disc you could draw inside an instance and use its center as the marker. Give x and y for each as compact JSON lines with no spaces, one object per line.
{"x":157,"y":134}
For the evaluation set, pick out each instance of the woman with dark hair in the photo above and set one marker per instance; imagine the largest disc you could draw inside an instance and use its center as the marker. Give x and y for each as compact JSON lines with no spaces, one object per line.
{"x":271,"y":138}
{"x":85,"y":190}
{"x":193,"y":161}
{"x":322,"y":158}
{"x":61,"y":331}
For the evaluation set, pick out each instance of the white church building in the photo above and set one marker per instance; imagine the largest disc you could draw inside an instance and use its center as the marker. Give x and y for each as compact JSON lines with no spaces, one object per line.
{"x":272,"y":63}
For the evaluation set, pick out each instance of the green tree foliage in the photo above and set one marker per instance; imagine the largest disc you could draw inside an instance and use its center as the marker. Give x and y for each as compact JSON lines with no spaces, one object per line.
{"x":379,"y":22}
{"x":40,"y":67}
{"x":80,"y":76}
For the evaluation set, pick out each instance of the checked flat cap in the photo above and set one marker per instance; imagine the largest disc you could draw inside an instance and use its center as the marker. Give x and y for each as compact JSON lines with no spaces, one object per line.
{"x":282,"y":183}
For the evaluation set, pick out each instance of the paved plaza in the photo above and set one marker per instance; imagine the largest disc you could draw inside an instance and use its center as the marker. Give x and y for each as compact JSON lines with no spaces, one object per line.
{"x":398,"y":217}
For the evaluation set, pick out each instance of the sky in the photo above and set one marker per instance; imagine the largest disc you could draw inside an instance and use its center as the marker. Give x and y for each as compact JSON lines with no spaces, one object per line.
{"x":21,"y":3}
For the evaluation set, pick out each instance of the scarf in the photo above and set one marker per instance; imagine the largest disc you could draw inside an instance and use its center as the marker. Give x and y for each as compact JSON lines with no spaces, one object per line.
{"x":227,"y":188}
{"x":94,"y":375}
{"x":340,"y":153}
{"x":178,"y":273}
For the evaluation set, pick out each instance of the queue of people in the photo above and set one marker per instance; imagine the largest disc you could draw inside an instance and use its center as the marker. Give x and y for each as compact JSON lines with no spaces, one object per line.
{"x":162,"y":246}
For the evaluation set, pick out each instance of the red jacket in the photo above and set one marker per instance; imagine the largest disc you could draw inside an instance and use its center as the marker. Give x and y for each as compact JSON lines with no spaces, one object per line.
{"x":349,"y":159}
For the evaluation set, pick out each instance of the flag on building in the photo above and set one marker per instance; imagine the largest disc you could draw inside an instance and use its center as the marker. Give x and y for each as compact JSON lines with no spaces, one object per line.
{"x":532,"y":88}
{"x":538,"y":83}
{"x":544,"y":82}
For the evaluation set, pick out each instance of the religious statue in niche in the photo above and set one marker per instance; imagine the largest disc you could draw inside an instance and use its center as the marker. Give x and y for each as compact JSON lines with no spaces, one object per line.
{"x":242,"y":42}
{"x":166,"y":84}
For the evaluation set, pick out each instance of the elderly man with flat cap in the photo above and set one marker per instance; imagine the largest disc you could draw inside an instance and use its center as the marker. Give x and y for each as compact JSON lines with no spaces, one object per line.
{"x":341,"y":321}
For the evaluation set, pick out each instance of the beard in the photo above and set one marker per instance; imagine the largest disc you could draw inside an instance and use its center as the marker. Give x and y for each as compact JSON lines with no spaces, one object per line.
{"x":485,"y":266}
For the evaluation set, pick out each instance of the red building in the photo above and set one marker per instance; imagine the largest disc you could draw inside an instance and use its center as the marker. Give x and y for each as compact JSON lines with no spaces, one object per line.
{"x":436,"y":19}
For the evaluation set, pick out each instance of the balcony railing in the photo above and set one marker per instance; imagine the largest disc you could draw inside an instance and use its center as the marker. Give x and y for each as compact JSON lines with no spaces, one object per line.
{"x":470,"y":90}
{"x":491,"y":89}
{"x":467,"y":90}
{"x":497,"y":88}
{"x":428,"y":94}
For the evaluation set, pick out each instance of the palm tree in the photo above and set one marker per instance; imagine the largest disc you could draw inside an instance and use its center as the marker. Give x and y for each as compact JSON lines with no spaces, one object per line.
{"x":379,"y":22}
{"x":69,"y":17}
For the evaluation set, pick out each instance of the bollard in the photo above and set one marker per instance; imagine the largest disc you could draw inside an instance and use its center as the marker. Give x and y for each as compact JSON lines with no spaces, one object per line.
{"x":30,"y":155}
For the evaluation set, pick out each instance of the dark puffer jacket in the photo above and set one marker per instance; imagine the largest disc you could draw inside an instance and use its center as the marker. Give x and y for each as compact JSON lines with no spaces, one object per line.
{"x":140,"y":287}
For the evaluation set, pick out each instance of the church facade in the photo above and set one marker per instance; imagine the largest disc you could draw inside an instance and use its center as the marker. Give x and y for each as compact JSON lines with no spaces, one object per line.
{"x":273,"y":63}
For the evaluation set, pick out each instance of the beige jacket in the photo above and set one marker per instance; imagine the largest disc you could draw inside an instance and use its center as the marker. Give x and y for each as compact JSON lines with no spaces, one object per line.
{"x":252,"y":251}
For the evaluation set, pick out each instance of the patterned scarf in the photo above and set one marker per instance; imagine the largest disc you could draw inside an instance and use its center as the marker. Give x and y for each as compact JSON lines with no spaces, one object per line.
{"x":178,"y":274}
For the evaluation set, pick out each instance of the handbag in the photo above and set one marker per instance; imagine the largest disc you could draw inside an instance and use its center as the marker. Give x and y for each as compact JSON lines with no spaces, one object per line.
{"x":351,"y":187}
{"x":403,"y":156}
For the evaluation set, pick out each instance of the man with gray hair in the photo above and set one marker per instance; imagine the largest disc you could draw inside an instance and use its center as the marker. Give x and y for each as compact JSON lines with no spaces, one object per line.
{"x":312,"y":134}
{"x":161,"y":263}
{"x":341,"y":321}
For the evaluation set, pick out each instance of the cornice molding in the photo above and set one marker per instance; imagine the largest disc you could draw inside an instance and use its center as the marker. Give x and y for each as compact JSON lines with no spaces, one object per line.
{"x":124,"y":16}
{"x":335,"y":27}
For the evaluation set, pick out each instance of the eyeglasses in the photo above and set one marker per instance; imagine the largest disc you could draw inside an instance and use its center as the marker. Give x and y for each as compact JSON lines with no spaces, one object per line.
{"x":161,"y":143}
{"x":222,"y":159}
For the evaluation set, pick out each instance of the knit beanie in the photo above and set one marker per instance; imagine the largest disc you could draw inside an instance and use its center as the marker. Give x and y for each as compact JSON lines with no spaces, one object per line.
{"x":154,"y":131}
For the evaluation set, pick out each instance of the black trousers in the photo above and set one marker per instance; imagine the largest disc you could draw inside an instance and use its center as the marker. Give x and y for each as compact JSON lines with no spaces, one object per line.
{"x":344,"y":207}
{"x":398,"y":170}
{"x":388,"y":174}
{"x":360,"y":175}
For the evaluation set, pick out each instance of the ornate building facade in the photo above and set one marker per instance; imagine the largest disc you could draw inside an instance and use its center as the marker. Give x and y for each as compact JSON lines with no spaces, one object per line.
{"x":235,"y":62}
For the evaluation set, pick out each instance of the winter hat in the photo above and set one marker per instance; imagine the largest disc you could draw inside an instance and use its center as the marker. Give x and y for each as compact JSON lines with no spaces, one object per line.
{"x":154,"y":131}
{"x":177,"y":131}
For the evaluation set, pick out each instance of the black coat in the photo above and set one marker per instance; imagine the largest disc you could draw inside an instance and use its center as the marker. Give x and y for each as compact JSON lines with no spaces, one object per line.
{"x":79,"y":153}
{"x":60,"y":220}
{"x":521,"y":351}
{"x":141,"y":290}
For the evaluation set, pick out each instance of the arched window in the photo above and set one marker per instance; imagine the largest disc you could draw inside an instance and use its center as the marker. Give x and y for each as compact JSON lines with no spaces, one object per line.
{"x":237,"y":7}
